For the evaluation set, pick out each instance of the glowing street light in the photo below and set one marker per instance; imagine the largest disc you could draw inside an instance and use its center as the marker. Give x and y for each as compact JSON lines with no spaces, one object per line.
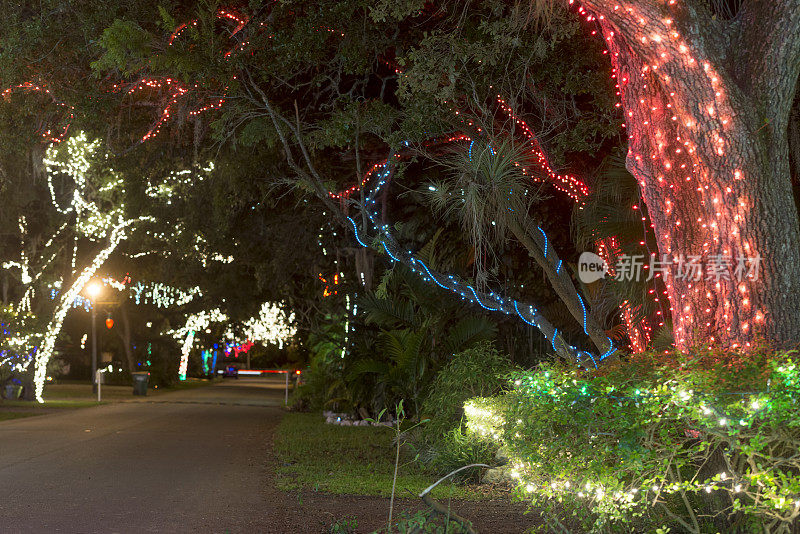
{"x":94,"y":289}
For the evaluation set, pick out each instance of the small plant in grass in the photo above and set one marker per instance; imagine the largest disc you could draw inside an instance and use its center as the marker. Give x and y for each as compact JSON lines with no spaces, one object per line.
{"x":427,"y":522}
{"x":346,"y":525}
{"x":399,"y":440}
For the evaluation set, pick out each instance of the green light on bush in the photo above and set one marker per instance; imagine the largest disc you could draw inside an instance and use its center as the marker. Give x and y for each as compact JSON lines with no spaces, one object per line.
{"x":617,"y":446}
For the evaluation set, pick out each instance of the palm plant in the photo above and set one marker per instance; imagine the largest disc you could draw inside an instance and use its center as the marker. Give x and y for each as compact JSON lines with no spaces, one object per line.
{"x":487,"y":191}
{"x":418,"y":331}
{"x":488,"y":194}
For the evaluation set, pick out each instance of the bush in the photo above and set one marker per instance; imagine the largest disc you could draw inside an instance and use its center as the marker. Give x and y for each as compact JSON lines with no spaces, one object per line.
{"x":427,"y":522}
{"x":323,"y":386}
{"x":476,"y":372}
{"x":709,"y":443}
{"x":459,"y":448}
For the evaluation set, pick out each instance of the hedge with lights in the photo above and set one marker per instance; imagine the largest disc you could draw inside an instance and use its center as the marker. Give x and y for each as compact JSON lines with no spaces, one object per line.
{"x":709,"y":443}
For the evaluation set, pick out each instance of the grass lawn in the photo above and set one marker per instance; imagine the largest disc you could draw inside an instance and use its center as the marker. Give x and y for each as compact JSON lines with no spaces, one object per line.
{"x":49,"y":404}
{"x":350,"y":460}
{"x":5,"y":416}
{"x":73,"y":394}
{"x":69,"y":391}
{"x":18,"y":409}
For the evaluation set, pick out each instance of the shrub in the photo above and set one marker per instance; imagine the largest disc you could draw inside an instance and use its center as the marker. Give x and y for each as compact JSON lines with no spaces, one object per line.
{"x":324,"y":386}
{"x":476,"y":372}
{"x":459,"y":448}
{"x":709,"y":443}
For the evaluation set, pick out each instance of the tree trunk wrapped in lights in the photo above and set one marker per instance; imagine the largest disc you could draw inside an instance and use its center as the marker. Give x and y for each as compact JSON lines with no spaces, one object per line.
{"x":116,"y":236}
{"x":707,"y":104}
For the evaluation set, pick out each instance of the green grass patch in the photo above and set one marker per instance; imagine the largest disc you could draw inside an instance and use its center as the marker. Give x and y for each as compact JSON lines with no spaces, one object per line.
{"x":5,"y":416}
{"x":190,"y":383}
{"x":350,"y":460}
{"x":59,"y":404}
{"x":81,"y":391}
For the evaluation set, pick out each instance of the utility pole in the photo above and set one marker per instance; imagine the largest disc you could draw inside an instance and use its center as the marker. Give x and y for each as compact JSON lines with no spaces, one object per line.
{"x":93,"y":290}
{"x":94,"y":347}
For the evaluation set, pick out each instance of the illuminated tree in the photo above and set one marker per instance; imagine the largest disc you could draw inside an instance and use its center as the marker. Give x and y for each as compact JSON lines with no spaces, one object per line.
{"x":707,"y":100}
{"x":706,"y":88}
{"x":366,"y":130}
{"x":45,"y":352}
{"x":86,"y":203}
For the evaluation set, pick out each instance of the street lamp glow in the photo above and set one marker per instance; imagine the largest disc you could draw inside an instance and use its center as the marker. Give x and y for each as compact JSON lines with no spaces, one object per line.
{"x":94,"y":289}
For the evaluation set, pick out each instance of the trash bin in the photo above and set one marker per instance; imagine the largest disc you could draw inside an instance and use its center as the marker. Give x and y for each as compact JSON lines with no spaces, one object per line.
{"x":140,"y":383}
{"x":13,"y":391}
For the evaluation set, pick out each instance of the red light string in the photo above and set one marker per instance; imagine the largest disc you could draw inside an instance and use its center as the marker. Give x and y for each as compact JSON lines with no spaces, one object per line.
{"x":48,"y":135}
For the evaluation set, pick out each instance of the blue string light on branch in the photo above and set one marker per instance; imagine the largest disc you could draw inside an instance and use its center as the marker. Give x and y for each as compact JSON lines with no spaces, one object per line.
{"x":491,"y":302}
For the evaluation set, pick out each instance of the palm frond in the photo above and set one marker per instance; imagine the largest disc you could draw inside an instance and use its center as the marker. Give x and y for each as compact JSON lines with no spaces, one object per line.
{"x":663,"y":339}
{"x":537,"y":13}
{"x":411,"y":357}
{"x":428,"y":252}
{"x":386,"y":312}
{"x":484,"y":191}
{"x":468,"y":331}
{"x":366,"y":366}
{"x":602,"y":216}
{"x":392,"y":344}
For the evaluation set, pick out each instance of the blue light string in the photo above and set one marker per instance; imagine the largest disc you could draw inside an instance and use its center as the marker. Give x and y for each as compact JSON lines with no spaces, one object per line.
{"x":516,"y":308}
{"x":545,"y":241}
{"x":478,"y":300}
{"x":456,"y":290}
{"x":491,"y":150}
{"x":387,"y":251}
{"x":590,"y":356}
{"x":610,"y":350}
{"x":355,"y":229}
{"x":584,"y":314}
{"x":430,"y":274}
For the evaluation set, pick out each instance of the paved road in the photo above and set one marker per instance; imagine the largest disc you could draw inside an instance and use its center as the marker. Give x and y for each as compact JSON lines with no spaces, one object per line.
{"x":189,"y":461}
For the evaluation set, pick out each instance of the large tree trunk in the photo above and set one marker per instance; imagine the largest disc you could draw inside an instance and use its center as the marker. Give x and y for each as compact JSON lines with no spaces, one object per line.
{"x":707,"y":105}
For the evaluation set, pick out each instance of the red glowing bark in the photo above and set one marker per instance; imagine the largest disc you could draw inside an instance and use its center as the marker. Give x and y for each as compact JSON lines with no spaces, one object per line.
{"x":707,"y":104}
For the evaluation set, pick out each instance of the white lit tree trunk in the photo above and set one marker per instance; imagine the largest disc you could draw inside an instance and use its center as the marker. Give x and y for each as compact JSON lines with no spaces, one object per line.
{"x":707,"y":105}
{"x":117,"y":235}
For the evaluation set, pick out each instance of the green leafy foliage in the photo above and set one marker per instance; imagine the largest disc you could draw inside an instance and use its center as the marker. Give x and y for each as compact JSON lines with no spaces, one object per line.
{"x":479,"y":371}
{"x":347,"y":525}
{"x":427,"y":522}
{"x":127,"y":48}
{"x":700,"y":443}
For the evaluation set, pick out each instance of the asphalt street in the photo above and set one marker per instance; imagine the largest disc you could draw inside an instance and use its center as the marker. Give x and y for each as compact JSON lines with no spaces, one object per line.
{"x":188,"y":461}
